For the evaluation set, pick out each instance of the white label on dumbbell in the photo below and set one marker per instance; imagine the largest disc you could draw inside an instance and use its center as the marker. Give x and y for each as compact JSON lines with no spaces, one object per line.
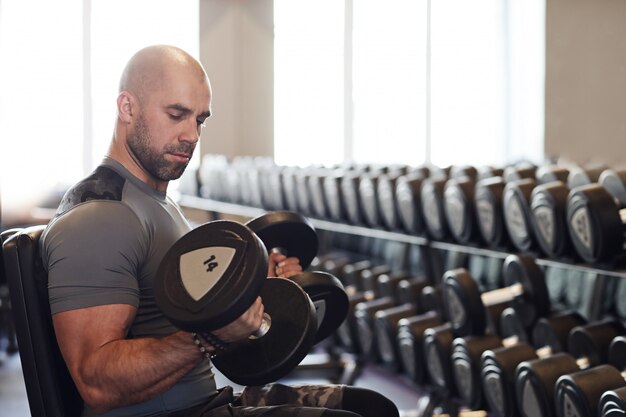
{"x":320,"y":311}
{"x":463,"y":378}
{"x":407,"y":354}
{"x":455,"y":308}
{"x":385,"y":349}
{"x":486,"y":217}
{"x":431,"y":213}
{"x":579,"y":223}
{"x":434,"y":366}
{"x":454,"y":211}
{"x":530,"y":402}
{"x":569,"y":406}
{"x":515,"y":220}
{"x":495,"y":392}
{"x":545,"y":220}
{"x":202,"y":268}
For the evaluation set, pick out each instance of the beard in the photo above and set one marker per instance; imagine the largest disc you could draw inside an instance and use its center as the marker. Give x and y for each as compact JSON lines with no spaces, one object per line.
{"x":153,"y":160}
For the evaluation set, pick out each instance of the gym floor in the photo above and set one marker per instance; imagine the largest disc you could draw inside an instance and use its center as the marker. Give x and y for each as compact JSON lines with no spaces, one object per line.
{"x":14,"y":403}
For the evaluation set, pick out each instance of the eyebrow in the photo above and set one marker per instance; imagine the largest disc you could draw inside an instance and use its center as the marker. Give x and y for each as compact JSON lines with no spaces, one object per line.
{"x":186,"y":110}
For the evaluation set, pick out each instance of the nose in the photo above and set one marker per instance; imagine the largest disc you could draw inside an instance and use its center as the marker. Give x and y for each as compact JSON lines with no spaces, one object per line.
{"x":191,"y":132}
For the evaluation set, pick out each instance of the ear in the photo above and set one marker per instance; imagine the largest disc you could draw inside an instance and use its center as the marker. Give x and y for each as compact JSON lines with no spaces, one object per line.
{"x":125,"y":106}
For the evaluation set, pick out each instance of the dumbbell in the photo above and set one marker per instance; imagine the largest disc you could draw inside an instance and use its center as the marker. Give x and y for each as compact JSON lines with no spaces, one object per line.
{"x":388,"y":202}
{"x":466,"y":355}
{"x":377,"y":209}
{"x":432,"y":200}
{"x":595,"y":217}
{"x":489,"y":203}
{"x":408,"y":200}
{"x":348,"y":333}
{"x":211,"y":174}
{"x":350,"y":184}
{"x":612,"y":403}
{"x":490,"y":213}
{"x":473,"y":313}
{"x":519,"y":171}
{"x":517,"y":215}
{"x":211,"y":276}
{"x":411,"y":302}
{"x":459,"y":209}
{"x":451,"y":352}
{"x":535,"y":379}
{"x":549,"y":203}
{"x":579,"y":393}
{"x":215,"y":272}
{"x":288,"y":181}
{"x":425,"y":341}
{"x":303,"y":196}
{"x":525,"y":289}
{"x":276,"y":199}
{"x":383,"y":298}
{"x":334,"y":195}
{"x":317,"y":195}
{"x":291,"y":234}
{"x":497,"y":365}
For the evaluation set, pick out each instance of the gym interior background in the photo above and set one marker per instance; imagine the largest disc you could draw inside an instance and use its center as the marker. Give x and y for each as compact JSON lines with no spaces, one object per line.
{"x":447,"y":82}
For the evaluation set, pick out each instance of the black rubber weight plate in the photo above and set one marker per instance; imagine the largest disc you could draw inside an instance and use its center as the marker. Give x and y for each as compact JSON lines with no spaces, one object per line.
{"x":330,"y":300}
{"x":210,"y":276}
{"x":289,"y":231}
{"x":282,"y":348}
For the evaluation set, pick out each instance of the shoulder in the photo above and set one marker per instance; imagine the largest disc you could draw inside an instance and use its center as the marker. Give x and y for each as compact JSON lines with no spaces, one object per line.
{"x":103,"y":184}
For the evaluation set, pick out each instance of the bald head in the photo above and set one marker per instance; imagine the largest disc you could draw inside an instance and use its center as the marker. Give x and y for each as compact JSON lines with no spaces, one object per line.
{"x":153,"y":66}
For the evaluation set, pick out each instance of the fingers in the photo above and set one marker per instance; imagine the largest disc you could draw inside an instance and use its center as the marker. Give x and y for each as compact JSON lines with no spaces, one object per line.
{"x":288,"y":268}
{"x":281,"y":266}
{"x":245,"y":325}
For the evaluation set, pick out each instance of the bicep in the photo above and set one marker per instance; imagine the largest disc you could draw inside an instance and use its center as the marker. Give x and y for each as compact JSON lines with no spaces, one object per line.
{"x":81,"y":333}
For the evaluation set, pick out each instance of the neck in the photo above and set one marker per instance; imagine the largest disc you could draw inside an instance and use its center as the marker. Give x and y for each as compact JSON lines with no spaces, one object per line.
{"x":120,"y":152}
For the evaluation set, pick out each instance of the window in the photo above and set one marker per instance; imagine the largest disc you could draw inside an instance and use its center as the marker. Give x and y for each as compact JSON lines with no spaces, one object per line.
{"x":59,"y":80}
{"x":389,"y":81}
{"x":444,"y":81}
{"x":41,"y":97}
{"x":309,"y":81}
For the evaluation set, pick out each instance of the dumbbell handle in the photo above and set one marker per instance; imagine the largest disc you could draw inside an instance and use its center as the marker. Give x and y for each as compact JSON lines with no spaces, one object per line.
{"x":266,"y":323}
{"x":546,"y":351}
{"x":278,"y":250}
{"x":502,"y":295}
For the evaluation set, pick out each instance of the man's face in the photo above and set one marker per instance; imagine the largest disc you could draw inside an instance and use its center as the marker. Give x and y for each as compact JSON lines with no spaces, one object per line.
{"x":168,"y":125}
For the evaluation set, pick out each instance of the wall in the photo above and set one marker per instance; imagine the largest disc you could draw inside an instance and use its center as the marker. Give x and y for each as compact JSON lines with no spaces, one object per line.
{"x":236,"y":48}
{"x":586,"y":80}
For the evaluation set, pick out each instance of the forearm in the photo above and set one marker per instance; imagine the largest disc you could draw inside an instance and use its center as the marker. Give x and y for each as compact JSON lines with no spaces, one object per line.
{"x":124,"y":372}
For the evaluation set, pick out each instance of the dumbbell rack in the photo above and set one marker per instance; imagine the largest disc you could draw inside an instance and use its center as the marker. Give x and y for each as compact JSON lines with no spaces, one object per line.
{"x":594,"y":293}
{"x":213,"y":206}
{"x":218,"y":209}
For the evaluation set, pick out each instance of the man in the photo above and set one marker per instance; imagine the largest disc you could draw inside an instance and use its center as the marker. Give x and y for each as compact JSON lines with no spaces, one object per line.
{"x":104,"y":245}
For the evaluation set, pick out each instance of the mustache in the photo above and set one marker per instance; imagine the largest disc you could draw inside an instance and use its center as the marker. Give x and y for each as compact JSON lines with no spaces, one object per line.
{"x":186,"y":148}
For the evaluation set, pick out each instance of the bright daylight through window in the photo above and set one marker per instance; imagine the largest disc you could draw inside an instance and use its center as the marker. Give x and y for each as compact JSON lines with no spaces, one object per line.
{"x":57,"y":97}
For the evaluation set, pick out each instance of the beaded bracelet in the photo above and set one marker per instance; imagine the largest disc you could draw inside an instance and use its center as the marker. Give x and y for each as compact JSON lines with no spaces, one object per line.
{"x":218,"y":344}
{"x":210,"y":339}
{"x":203,"y":350}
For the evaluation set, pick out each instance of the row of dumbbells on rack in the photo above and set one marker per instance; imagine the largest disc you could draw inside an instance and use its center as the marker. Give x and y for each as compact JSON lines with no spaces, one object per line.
{"x":508,"y":351}
{"x":563,"y":212}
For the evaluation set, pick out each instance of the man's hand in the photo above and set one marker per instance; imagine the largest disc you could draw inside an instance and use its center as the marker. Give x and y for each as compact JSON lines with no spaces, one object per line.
{"x":283,"y":267}
{"x":244,"y":326}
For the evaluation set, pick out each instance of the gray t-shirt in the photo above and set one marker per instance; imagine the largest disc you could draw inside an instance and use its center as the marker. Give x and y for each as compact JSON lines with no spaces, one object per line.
{"x":104,"y":246}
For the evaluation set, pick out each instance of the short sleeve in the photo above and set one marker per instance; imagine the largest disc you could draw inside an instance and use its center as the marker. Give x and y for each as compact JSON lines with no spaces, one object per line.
{"x":93,"y":254}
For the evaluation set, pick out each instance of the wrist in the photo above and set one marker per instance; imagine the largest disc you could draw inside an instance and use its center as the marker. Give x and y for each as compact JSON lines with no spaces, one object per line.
{"x":208,"y":344}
